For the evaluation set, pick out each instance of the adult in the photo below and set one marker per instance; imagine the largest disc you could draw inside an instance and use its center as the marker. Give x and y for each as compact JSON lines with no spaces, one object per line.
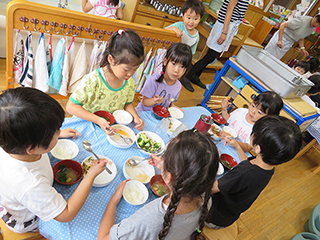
{"x":290,"y":32}
{"x":230,"y":16}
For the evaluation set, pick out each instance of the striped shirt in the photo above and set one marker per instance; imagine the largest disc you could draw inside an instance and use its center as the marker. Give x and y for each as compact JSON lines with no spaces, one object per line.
{"x":238,"y":12}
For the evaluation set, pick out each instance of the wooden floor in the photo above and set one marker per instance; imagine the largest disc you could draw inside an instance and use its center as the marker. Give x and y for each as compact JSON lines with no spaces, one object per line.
{"x":282,"y":209}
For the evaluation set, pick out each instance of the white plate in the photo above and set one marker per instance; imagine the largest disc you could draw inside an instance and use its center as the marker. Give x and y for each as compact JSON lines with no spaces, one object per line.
{"x":122,"y":117}
{"x":104,"y":178}
{"x":214,"y":136}
{"x":135,"y":193}
{"x":154,"y":137}
{"x":220,"y":169}
{"x":173,"y":124}
{"x":175,"y":112}
{"x":65,"y":149}
{"x":142,"y":172}
{"x":117,"y":141}
{"x":231,"y":131}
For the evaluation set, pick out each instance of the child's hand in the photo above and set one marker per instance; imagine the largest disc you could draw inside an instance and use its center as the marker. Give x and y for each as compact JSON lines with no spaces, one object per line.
{"x":116,"y":197}
{"x":97,"y":167}
{"x":224,"y":134}
{"x":231,"y":141}
{"x":157,"y":99}
{"x":178,"y":32}
{"x":156,"y":161}
{"x":225,"y":104}
{"x":103,"y":123}
{"x":69,"y":133}
{"x":139,"y":123}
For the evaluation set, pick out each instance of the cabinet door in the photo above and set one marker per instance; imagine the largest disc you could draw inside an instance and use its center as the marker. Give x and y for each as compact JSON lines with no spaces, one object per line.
{"x":150,"y":21}
{"x":240,"y":102}
{"x":168,"y":23}
{"x":249,"y":93}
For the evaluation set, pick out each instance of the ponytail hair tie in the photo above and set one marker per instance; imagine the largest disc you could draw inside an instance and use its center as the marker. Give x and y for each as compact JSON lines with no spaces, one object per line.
{"x":120,"y":31}
{"x":162,"y":73}
{"x":198,"y":230}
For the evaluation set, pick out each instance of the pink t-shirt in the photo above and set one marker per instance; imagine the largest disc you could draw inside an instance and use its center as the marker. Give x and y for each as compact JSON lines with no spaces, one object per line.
{"x":104,"y":9}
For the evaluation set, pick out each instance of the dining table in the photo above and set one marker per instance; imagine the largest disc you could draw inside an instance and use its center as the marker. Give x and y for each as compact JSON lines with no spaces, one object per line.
{"x":86,"y":224}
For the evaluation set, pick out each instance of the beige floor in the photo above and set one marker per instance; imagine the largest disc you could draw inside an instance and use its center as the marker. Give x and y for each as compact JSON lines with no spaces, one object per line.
{"x":282,"y":209}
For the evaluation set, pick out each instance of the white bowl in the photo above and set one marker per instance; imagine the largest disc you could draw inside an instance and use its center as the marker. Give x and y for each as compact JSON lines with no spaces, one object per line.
{"x":118,"y":141}
{"x":104,"y":178}
{"x":122,"y":117}
{"x":152,"y":136}
{"x":231,"y":131}
{"x":142,"y":172}
{"x":217,"y":128}
{"x":173,"y":124}
{"x":135,"y":193}
{"x":65,"y":149}
{"x":220,"y":169}
{"x":176,"y":113}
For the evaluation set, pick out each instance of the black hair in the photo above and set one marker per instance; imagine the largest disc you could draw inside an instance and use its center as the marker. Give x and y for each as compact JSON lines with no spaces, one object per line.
{"x":28,"y":117}
{"x":192,"y":160}
{"x":195,"y":5}
{"x":270,"y":102}
{"x":279,"y":139}
{"x":125,"y":46}
{"x":303,"y":64}
{"x":316,"y":80}
{"x":313,"y":62}
{"x":178,"y":53}
{"x":317,"y":17}
{"x":113,"y":2}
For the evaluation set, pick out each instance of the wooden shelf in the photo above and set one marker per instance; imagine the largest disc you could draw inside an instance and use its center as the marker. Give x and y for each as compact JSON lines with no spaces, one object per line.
{"x":229,"y":81}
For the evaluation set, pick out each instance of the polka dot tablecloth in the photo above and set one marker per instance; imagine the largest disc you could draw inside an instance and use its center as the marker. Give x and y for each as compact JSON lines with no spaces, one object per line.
{"x":86,"y":224}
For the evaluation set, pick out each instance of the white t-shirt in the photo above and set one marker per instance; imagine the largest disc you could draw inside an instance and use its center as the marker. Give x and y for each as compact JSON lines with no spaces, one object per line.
{"x":239,"y":123}
{"x":103,"y":9}
{"x":26,"y":192}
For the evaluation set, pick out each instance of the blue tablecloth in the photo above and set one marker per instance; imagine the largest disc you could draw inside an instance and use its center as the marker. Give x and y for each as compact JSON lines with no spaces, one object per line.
{"x":85,"y":225}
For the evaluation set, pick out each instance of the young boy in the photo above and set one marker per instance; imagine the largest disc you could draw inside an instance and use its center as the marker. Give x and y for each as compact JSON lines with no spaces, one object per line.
{"x":301,"y":67}
{"x":192,"y":12}
{"x":276,"y":140}
{"x":29,"y":128}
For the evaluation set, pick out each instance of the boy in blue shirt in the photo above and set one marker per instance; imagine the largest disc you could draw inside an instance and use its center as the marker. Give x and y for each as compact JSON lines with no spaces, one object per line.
{"x":192,"y":12}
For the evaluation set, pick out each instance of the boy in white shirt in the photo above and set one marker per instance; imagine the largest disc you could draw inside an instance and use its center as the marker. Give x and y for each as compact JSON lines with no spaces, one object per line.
{"x":29,"y":128}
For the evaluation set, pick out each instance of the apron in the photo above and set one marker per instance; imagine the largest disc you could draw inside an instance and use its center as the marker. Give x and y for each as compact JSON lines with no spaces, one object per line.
{"x":274,"y":50}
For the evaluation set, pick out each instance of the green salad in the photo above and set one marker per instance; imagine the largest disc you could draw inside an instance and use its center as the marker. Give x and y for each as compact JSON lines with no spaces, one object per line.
{"x":147,"y":143}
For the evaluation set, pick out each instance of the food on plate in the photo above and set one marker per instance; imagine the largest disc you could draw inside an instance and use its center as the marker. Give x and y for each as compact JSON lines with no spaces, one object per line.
{"x":226,"y":163}
{"x":160,"y":189}
{"x":63,"y":152}
{"x":147,"y":143}
{"x":134,"y":194}
{"x":121,"y":132}
{"x":137,"y":173}
{"x":87,"y":164}
{"x":65,"y":174}
{"x":170,"y":123}
{"x":215,"y":131}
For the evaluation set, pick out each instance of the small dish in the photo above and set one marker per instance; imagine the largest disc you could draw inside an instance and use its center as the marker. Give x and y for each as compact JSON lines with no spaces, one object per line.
{"x":122,"y":117}
{"x":67,"y":172}
{"x":158,"y":186}
{"x":153,"y":138}
{"x":125,"y":131}
{"x":65,"y":149}
{"x":218,"y":119}
{"x":173,"y":124}
{"x":104,"y":178}
{"x":106,"y":115}
{"x":142,"y":172}
{"x":135,"y":193}
{"x":231,"y":131}
{"x":220,"y":169}
{"x":160,"y":112}
{"x":215,"y":131}
{"x":228,"y":161}
{"x":176,"y":113}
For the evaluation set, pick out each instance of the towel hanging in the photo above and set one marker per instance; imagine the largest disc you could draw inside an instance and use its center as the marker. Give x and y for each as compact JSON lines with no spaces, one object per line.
{"x":40,"y":66}
{"x":18,"y":57}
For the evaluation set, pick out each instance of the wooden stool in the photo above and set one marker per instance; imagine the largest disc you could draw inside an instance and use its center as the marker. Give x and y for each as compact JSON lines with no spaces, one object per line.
{"x":9,"y":235}
{"x":228,"y":233}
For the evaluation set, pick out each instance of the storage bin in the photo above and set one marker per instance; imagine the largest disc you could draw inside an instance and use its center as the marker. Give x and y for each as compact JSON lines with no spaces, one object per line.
{"x":239,"y":82}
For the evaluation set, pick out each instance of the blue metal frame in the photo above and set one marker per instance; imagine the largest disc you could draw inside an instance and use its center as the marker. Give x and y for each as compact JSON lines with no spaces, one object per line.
{"x":225,"y":69}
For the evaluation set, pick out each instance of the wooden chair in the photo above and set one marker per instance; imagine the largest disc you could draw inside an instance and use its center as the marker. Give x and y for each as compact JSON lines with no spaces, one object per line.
{"x":306,"y":149}
{"x":7,"y":234}
{"x":228,"y":233}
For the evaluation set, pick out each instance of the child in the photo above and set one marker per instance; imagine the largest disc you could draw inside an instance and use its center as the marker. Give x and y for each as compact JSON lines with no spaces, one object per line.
{"x":314,"y":64}
{"x":160,"y":87}
{"x":188,"y":167}
{"x":110,"y":87}
{"x":192,"y":12}
{"x":107,"y":8}
{"x":301,"y":67}
{"x":242,"y":119}
{"x":276,"y":140}
{"x":29,"y":128}
{"x":313,"y":91}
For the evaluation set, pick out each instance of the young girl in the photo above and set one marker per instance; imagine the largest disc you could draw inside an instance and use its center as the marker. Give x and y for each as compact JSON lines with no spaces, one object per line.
{"x":110,"y":87}
{"x":159,"y":88}
{"x":107,"y":8}
{"x":242,"y":119}
{"x":189,"y":168}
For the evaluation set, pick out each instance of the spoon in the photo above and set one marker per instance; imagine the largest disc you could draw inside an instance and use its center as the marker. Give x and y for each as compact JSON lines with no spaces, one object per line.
{"x":88,"y":147}
{"x":149,"y":151}
{"x":127,"y":140}
{"x":134,"y":162}
{"x":172,"y":99}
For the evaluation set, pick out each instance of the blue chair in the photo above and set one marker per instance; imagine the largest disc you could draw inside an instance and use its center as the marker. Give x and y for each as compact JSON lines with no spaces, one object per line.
{"x":306,"y":236}
{"x":313,"y":224}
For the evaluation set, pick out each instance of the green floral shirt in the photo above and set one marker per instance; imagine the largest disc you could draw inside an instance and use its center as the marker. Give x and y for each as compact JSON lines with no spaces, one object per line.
{"x":93,"y":93}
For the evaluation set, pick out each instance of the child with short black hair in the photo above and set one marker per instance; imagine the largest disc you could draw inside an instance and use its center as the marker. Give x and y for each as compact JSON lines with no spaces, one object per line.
{"x":301,"y":67}
{"x":189,"y":166}
{"x":276,"y":140}
{"x":192,"y":12}
{"x":30,"y":122}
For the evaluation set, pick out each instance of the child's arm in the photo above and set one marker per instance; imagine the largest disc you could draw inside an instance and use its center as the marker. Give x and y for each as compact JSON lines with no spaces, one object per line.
{"x":119,"y":13}
{"x":176,"y":30}
{"x":69,"y":133}
{"x":283,"y":26}
{"x":86,"y":6}
{"x":109,"y":215}
{"x":240,"y":147}
{"x":80,"y":112}
{"x":137,"y":120}
{"x":156,"y":161}
{"x":149,"y":102}
{"x":215,"y":188}
{"x":78,"y":198}
{"x":224,"y":106}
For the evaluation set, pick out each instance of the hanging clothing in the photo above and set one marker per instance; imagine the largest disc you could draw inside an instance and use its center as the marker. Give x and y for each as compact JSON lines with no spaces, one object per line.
{"x":27,"y":74}
{"x":55,"y":78}
{"x":158,"y":60}
{"x":137,"y":76}
{"x":18,"y":57}
{"x":79,"y":68}
{"x":40,"y":66}
{"x":94,"y":53}
{"x":94,"y":63}
{"x":49,"y":53}
{"x":65,"y":69}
